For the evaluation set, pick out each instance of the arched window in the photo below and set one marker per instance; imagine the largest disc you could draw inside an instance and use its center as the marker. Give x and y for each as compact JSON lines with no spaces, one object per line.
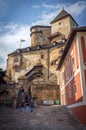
{"x":10,"y":75}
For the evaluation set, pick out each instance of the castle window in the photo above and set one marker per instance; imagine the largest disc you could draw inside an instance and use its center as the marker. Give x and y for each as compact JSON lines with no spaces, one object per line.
{"x":41,"y":31}
{"x":38,"y":47}
{"x":28,"y":49}
{"x":55,"y":43}
{"x":18,"y":50}
{"x":17,"y":69}
{"x":59,"y":23}
{"x":42,"y":56}
{"x":16,"y":59}
{"x":63,"y":40}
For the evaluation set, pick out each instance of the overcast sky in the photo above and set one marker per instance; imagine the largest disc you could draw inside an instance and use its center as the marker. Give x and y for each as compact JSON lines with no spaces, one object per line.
{"x":17,"y":16}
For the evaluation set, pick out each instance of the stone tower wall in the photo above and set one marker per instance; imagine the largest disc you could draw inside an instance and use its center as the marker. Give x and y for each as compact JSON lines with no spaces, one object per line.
{"x":39,"y":35}
{"x":64,"y":26}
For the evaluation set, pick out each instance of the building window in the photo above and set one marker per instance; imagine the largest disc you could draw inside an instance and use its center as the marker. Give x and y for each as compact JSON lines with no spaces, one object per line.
{"x":63,"y":40}
{"x":28,"y":49}
{"x":59,"y":23}
{"x":72,"y":61}
{"x":42,"y":56}
{"x":18,"y":50}
{"x":75,"y":90}
{"x":70,"y":93}
{"x":38,"y":47}
{"x":17,"y":69}
{"x":10,"y":75}
{"x":55,"y":43}
{"x":16,"y":59}
{"x":67,"y":71}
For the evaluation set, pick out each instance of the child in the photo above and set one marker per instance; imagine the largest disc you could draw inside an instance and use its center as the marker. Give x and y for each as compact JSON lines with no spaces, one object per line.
{"x":31,"y":105}
{"x":22,"y":106}
{"x":27,"y":107}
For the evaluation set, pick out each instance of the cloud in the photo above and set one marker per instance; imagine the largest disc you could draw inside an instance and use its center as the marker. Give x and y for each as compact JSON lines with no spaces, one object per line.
{"x":36,"y":6}
{"x":75,"y":9}
{"x":51,"y":11}
{"x":45,"y":18}
{"x":10,"y":40}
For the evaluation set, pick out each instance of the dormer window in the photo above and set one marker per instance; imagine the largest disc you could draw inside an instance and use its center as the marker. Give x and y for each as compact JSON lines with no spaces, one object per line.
{"x":18,"y":50}
{"x":55,"y":43}
{"x":38,"y":47}
{"x":63,"y":40}
{"x":28,"y":49}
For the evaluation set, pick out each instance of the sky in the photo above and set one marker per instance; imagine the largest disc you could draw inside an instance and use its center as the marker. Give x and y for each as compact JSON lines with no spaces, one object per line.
{"x":17,"y":17}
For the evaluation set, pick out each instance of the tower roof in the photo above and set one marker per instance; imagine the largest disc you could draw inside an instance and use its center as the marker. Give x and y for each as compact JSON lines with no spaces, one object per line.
{"x":62,"y":15}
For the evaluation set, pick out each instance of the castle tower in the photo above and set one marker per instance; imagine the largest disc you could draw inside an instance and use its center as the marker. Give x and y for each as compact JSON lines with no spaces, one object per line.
{"x":63,"y":23}
{"x":39,"y":35}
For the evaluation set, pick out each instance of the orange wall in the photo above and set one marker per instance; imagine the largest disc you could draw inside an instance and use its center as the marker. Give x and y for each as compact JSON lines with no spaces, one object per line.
{"x":75,"y":97}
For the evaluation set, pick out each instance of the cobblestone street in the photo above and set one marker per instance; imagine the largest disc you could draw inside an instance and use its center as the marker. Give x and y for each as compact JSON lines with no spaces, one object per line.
{"x":42,"y":118}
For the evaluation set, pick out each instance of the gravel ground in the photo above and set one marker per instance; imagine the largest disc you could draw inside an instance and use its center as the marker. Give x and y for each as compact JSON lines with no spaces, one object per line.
{"x":42,"y":118}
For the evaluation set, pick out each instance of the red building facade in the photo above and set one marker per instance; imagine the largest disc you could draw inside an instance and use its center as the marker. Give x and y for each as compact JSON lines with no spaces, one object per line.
{"x":72,"y":68}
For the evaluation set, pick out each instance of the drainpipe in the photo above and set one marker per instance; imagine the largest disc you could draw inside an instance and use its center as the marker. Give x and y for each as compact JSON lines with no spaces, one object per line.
{"x":48,"y":62}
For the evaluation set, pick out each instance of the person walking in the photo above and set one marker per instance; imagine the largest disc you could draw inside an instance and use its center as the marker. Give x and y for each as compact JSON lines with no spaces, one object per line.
{"x":22,"y":101}
{"x":26,"y":102}
{"x":31,"y":105}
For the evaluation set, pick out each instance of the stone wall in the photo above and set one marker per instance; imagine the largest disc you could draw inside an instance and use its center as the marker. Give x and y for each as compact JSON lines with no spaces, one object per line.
{"x":63,"y":26}
{"x":45,"y":92}
{"x":39,"y":35}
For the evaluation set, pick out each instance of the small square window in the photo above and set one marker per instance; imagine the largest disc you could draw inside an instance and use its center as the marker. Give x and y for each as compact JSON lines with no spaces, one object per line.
{"x":73,"y":61}
{"x":70,"y":93}
{"x":42,"y":56}
{"x":74,"y":87}
{"x":59,"y":23}
{"x":17,"y":69}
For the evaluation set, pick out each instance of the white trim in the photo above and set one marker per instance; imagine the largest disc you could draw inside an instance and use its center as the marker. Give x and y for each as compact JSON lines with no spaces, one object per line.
{"x":76,"y":105}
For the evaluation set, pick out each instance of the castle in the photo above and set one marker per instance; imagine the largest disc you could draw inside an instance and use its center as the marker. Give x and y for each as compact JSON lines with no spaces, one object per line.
{"x":35,"y":67}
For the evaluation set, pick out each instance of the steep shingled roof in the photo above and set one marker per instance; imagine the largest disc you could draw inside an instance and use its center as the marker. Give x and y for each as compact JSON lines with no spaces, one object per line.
{"x":62,"y":15}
